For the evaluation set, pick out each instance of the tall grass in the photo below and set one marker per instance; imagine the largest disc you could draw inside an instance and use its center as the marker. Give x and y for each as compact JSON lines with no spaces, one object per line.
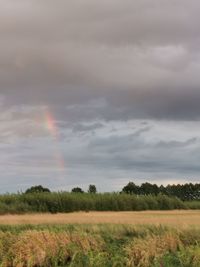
{"x":69,"y":202}
{"x":98,"y":246}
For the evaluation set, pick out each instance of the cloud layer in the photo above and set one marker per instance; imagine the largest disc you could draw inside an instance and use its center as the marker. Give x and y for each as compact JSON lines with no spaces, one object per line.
{"x":114,"y":75}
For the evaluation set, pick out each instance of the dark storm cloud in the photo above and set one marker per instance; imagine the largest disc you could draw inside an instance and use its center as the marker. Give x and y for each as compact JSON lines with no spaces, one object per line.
{"x":141,"y":57}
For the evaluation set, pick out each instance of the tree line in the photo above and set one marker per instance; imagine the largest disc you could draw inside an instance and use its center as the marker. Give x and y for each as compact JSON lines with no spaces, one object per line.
{"x":186,"y":191}
{"x":131,"y":198}
{"x":40,"y":189}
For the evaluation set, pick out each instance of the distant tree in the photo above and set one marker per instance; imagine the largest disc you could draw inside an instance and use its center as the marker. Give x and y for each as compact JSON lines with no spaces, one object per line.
{"x":37,"y":189}
{"x":77,"y":190}
{"x":131,"y":188}
{"x":147,"y":189}
{"x":186,"y":191}
{"x":162,"y":190}
{"x":92,"y":189}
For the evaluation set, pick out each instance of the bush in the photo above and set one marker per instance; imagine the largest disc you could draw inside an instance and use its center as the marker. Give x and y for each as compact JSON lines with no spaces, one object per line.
{"x":37,"y":189}
{"x":77,"y":190}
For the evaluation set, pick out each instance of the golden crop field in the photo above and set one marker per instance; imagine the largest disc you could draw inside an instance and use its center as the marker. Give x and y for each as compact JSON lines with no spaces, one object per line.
{"x":101,"y":239}
{"x":176,"y":217}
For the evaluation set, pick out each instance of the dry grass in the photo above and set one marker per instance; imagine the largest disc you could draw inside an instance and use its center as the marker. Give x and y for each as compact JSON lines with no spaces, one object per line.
{"x":44,"y":248}
{"x":142,"y":252}
{"x":99,"y":245}
{"x":174,"y":218}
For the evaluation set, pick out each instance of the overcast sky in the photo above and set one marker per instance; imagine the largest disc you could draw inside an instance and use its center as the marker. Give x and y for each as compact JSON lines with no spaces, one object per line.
{"x":99,"y":92}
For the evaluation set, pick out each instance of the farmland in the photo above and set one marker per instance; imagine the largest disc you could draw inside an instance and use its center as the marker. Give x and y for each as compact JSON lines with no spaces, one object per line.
{"x":172,"y":217}
{"x":98,"y":230}
{"x":98,"y":239}
{"x":99,"y":245}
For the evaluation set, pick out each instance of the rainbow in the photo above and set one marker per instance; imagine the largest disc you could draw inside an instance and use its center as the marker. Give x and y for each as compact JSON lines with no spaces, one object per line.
{"x":50,"y":125}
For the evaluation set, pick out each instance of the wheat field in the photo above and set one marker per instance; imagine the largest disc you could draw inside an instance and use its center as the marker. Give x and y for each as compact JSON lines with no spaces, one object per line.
{"x":101,"y":239}
{"x":176,"y":217}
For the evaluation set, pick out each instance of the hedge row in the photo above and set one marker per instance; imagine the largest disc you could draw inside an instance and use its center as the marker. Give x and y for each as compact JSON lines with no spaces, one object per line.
{"x":70,"y":202}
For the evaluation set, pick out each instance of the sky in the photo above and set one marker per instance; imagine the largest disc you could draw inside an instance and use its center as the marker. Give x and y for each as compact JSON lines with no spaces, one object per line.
{"x":99,"y":92}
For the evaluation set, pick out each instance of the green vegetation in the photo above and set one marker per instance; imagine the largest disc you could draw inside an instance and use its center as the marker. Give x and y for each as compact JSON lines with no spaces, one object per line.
{"x":77,"y":190}
{"x":98,"y":246}
{"x":70,"y":202}
{"x":132,"y":198}
{"x":92,"y":189}
{"x":187,"y":191}
{"x":37,"y":189}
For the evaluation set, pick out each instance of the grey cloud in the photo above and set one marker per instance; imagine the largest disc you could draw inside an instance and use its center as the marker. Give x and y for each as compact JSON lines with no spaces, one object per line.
{"x":141,"y":57}
{"x":86,"y":128}
{"x":105,"y":157}
{"x":20,"y":122}
{"x":102,"y":68}
{"x":141,"y":156}
{"x":104,"y":22}
{"x":116,"y":143}
{"x":177,"y":144}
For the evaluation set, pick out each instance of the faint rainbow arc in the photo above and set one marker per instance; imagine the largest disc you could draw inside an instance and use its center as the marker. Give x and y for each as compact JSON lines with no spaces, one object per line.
{"x":50,"y":125}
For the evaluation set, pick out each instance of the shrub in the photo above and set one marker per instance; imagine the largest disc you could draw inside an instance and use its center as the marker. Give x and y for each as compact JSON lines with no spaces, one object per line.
{"x":37,"y":189}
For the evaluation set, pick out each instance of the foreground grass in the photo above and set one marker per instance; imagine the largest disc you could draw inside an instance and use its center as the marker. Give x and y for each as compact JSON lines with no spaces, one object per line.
{"x":98,"y":246}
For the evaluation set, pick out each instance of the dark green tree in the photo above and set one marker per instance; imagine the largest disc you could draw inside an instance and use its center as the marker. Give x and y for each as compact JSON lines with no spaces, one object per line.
{"x":77,"y":190}
{"x":149,"y":189}
{"x":37,"y":189}
{"x":92,"y":189}
{"x":131,"y":188}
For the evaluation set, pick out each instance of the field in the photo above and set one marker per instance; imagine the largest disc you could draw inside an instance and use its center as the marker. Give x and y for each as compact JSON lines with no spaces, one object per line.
{"x":101,"y":239}
{"x":98,"y":230}
{"x":174,"y":218}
